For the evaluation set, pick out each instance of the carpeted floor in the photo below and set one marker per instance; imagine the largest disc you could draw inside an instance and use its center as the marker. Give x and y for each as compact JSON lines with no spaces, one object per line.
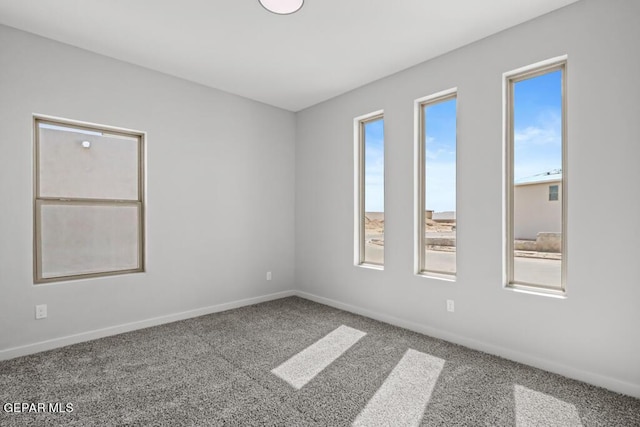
{"x":216,"y":370}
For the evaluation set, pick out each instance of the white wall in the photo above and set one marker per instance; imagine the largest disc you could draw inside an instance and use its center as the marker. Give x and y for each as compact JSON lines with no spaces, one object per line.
{"x":221,"y":197}
{"x":593,"y":333}
{"x":533,"y":212}
{"x":220,"y":211}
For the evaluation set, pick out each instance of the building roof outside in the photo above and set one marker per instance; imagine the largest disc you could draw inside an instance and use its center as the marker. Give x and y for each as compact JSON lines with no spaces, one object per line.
{"x":550,"y":176}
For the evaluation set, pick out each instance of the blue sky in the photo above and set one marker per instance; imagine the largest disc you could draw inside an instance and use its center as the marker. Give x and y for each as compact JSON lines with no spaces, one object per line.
{"x":440,"y":156}
{"x":374,"y":166}
{"x":538,"y":125}
{"x":538,"y":143}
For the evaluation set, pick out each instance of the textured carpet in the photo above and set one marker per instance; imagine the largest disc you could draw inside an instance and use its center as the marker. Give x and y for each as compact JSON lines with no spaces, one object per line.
{"x":216,"y":370}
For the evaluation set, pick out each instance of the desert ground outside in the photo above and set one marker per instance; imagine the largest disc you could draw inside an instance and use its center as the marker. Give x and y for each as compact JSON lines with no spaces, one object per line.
{"x":530,"y":266}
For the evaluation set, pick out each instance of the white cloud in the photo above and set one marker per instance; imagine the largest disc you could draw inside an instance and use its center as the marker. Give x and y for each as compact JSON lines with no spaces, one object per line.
{"x":374,"y":197}
{"x":546,"y":130}
{"x":434,"y":154}
{"x":538,"y":146}
{"x":441,"y":186}
{"x":537,"y":135}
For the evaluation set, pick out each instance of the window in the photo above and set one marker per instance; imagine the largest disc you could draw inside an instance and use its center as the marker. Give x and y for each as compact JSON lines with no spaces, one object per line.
{"x":436,"y":184}
{"x":369,"y":190}
{"x":88,"y":209}
{"x":536,"y":173}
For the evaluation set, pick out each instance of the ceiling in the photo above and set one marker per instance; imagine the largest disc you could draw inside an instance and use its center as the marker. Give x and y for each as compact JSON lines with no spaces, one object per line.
{"x":290,"y":61}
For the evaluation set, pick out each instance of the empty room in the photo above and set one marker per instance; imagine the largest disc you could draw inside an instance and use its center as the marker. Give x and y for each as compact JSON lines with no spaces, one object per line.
{"x":320,"y":212}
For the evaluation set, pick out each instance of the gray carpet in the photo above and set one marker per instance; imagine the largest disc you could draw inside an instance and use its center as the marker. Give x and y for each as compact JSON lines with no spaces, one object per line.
{"x":216,"y":370}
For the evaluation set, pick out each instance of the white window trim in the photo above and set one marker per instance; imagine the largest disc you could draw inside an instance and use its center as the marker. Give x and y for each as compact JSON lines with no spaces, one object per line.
{"x":358,"y":188}
{"x":419,"y":179}
{"x":508,"y":79}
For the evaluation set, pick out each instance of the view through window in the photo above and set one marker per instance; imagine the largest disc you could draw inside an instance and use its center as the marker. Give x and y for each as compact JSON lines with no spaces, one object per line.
{"x":536,"y":178}
{"x":372,"y":220}
{"x":438,"y":181}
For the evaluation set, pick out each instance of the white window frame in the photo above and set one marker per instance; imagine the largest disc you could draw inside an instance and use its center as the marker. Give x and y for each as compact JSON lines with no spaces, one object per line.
{"x":419,"y":181}
{"x":39,"y":201}
{"x":509,"y":79}
{"x":359,"y":188}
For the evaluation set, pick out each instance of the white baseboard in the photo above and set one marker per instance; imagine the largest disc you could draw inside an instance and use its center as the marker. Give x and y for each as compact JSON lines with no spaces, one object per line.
{"x":128,"y":327}
{"x":609,"y":383}
{"x":547,"y":365}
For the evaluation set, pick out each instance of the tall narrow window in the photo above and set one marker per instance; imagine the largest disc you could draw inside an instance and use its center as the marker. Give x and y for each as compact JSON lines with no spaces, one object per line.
{"x":369,"y":190}
{"x":89,"y":218}
{"x":536,"y":176}
{"x":436,"y":184}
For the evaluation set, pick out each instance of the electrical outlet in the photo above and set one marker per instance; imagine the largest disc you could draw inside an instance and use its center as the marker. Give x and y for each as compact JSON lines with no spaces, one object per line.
{"x":450,"y":306}
{"x":41,"y":311}
{"x":268,"y":275}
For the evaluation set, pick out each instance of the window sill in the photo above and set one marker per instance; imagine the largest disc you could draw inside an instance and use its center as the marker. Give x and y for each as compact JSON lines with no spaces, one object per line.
{"x":438,"y":276}
{"x":371,"y":266}
{"x":531,"y":290}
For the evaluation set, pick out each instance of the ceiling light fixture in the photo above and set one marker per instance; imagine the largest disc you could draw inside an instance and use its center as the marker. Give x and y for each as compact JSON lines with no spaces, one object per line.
{"x":282,"y":7}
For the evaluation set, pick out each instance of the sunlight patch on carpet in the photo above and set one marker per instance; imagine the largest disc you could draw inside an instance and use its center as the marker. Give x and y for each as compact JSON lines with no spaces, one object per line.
{"x":403,"y":397}
{"x":304,"y":366}
{"x":534,"y":408}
